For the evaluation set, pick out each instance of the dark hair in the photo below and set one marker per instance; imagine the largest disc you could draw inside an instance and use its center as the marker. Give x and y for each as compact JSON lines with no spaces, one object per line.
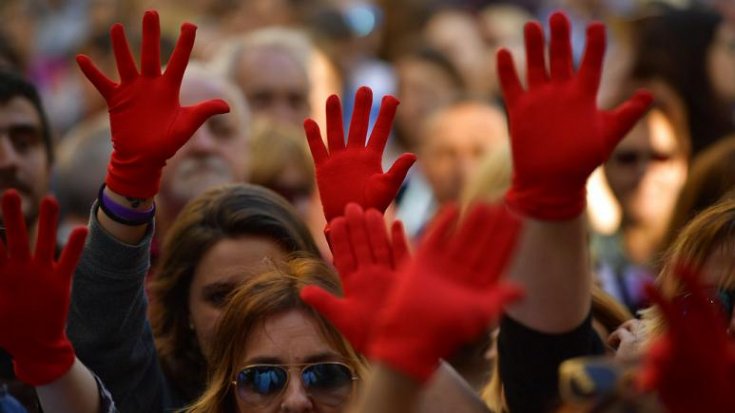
{"x":229,"y":211}
{"x":673,"y":46}
{"x":13,"y":85}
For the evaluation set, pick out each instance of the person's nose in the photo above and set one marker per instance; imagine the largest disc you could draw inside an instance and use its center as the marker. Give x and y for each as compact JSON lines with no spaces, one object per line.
{"x":295,"y":398}
{"x":202,"y":141}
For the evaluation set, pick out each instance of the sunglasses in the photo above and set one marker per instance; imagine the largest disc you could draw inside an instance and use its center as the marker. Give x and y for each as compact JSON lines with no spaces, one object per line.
{"x":327,"y":383}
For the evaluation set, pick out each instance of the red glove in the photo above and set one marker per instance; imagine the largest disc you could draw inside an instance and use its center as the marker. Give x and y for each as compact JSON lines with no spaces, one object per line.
{"x":354,"y":173}
{"x":693,"y":364}
{"x":148,"y":124}
{"x":449,"y":293}
{"x":366,"y":261}
{"x":558,"y":136}
{"x":34,"y":293}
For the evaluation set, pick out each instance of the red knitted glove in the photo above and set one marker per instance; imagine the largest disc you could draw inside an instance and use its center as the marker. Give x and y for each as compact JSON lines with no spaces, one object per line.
{"x":148,"y":124}
{"x":34,"y":293}
{"x":693,"y":364}
{"x":354,"y":173}
{"x":449,"y":293}
{"x":366,"y":261}
{"x":558,"y":136}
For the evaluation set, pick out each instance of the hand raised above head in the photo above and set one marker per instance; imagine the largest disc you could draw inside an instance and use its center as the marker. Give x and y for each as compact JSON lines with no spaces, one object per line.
{"x":148,"y":124}
{"x":353,"y":173}
{"x":558,"y":135}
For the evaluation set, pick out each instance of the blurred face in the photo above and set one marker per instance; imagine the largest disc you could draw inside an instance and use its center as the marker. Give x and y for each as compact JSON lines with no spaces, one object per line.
{"x":291,"y":339}
{"x":217,"y":153}
{"x":422,"y":88}
{"x":721,"y":62}
{"x":24,"y":163}
{"x":646,"y":171}
{"x":222,"y":269}
{"x":456,"y":140}
{"x":274,"y":84}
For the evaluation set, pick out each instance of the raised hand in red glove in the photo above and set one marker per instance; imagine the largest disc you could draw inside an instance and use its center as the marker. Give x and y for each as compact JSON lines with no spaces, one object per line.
{"x":34,"y":293}
{"x":148,"y":123}
{"x":449,"y":293}
{"x":366,"y":261}
{"x":354,"y":173}
{"x":693,"y":364}
{"x":558,"y":135}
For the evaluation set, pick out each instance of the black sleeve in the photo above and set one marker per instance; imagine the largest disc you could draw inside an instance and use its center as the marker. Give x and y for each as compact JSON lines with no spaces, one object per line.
{"x":529,"y":362}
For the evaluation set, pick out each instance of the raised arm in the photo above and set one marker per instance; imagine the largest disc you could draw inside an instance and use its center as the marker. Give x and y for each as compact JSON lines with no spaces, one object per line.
{"x":34,"y":300}
{"x":558,"y":137}
{"x":108,"y":323}
{"x":444,"y":297}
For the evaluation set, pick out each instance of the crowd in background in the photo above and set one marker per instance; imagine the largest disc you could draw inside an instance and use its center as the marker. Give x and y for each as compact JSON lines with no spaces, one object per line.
{"x":276,"y":62}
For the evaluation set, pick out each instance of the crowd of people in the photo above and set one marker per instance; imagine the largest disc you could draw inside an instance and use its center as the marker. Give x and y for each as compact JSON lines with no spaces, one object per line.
{"x":226,"y":209}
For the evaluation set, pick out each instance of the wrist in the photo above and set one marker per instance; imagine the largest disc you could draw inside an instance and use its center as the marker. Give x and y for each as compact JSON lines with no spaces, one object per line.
{"x":126,"y":210}
{"x":44,"y":365}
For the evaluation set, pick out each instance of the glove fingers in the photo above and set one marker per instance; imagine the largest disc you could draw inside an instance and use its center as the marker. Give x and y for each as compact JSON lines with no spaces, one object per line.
{"x":509,"y":80}
{"x":500,"y":244}
{"x":46,"y":239}
{"x":123,"y":57}
{"x":400,"y":244}
{"x":622,"y":119}
{"x":536,"y":63}
{"x":335,"y":130}
{"x":72,"y":252}
{"x":378,"y":236}
{"x":397,"y":172}
{"x":461,"y":248}
{"x":360,"y":118}
{"x":440,"y":228}
{"x":15,"y":226}
{"x":103,"y":84}
{"x":358,"y":234}
{"x":381,"y":130}
{"x":326,"y":304}
{"x":195,"y":116}
{"x":316,"y":144}
{"x":590,"y":70}
{"x":180,"y":56}
{"x":561,"y":47}
{"x":344,"y":258}
{"x":150,"y":57}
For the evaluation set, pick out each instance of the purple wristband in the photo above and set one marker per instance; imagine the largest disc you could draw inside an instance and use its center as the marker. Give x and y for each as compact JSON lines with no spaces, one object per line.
{"x":123,"y":214}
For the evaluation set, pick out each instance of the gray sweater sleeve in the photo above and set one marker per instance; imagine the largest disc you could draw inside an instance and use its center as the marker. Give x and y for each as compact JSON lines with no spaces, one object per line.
{"x":107,"y":323}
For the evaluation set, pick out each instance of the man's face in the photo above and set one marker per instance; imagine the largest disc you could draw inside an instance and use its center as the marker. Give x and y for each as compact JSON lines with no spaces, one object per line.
{"x":24,"y":163}
{"x":274,"y":84}
{"x":456,"y":139}
{"x":216,"y":154}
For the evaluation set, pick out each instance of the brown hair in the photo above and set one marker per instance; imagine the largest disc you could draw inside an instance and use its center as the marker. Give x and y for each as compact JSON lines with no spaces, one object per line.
{"x":225,"y":212}
{"x":261,"y":297}
{"x":711,"y":176}
{"x":711,"y":231}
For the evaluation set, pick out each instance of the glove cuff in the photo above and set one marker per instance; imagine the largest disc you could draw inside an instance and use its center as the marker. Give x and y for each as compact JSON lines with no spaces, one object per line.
{"x":411,"y":359}
{"x":547,"y":205}
{"x":135,"y":178}
{"x":45,"y":365}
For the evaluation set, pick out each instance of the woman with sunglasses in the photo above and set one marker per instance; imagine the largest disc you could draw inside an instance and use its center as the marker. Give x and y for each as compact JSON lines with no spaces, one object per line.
{"x":273,"y":352}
